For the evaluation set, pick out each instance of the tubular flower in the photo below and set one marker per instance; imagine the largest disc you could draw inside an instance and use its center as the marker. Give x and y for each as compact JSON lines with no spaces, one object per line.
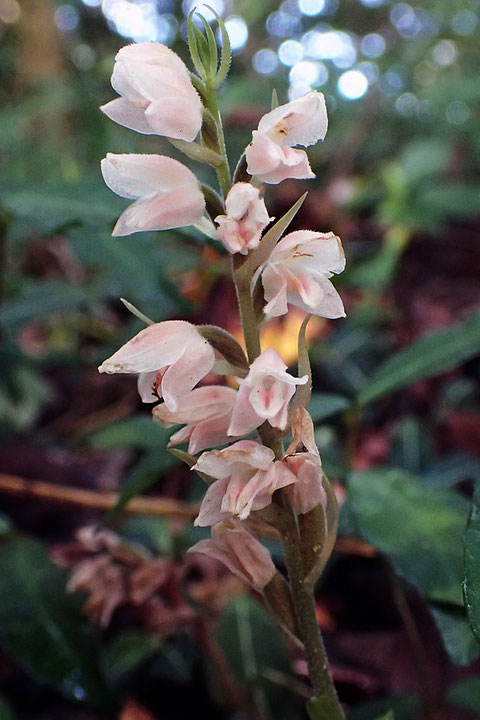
{"x":206,"y":412}
{"x":157,"y":96}
{"x":298,"y":272}
{"x":169,"y":357}
{"x":234,"y":545}
{"x":264,"y":395}
{"x":240,"y":229}
{"x":301,"y":122}
{"x":167,"y":193}
{"x":246,"y":478}
{"x":303,"y":460}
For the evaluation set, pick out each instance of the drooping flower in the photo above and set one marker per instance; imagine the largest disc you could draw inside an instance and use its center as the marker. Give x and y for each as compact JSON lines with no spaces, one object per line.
{"x":166,"y":193}
{"x":241,"y":228}
{"x":298,"y":272}
{"x":169,"y":357}
{"x":157,"y":96}
{"x":246,"y":475}
{"x":234,"y":544}
{"x":303,"y":460}
{"x":264,"y":395}
{"x":270,"y":155}
{"x":206,"y":412}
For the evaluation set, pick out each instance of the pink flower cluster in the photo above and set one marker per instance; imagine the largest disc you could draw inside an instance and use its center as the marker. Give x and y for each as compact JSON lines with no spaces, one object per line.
{"x":171,"y":358}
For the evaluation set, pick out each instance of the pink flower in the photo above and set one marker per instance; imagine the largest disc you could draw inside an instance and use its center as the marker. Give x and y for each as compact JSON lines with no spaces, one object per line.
{"x":157,"y":96}
{"x":303,"y":460}
{"x":297,"y":272}
{"x":170,"y":358}
{"x":246,"y":475}
{"x":301,"y":122}
{"x":264,"y":395}
{"x":167,"y":193}
{"x":236,"y":547}
{"x":206,"y":412}
{"x":240,"y":229}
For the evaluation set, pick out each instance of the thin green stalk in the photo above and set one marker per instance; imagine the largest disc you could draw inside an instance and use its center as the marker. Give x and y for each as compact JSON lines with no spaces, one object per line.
{"x":310,"y":635}
{"x":223,"y":171}
{"x":247,"y":313}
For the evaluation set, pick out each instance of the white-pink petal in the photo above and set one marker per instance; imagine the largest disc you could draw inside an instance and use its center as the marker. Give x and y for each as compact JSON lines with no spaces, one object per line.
{"x":153,"y":82}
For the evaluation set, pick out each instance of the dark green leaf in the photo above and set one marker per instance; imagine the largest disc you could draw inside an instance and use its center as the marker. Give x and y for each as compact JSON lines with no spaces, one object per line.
{"x":127,"y":653}
{"x":43,"y":627}
{"x":456,"y":634}
{"x":138,"y":432}
{"x":418,"y":528}
{"x":6,"y":712}
{"x":324,"y":405}
{"x":466,"y":694}
{"x":320,"y":709}
{"x":257,"y":656}
{"x":471,"y":544}
{"x":435,"y":353}
{"x":404,"y":707}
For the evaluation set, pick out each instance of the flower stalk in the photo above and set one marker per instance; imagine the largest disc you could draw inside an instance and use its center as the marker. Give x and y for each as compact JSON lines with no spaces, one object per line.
{"x":258,"y":478}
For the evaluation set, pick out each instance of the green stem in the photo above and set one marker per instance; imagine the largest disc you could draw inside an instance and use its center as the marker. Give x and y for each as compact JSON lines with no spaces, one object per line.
{"x":223,"y":171}
{"x":310,"y":635}
{"x":247,"y":313}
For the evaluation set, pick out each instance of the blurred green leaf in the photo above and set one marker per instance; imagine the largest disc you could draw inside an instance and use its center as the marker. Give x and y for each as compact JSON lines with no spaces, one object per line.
{"x":471,"y":544}
{"x":6,"y":712}
{"x":43,"y":627}
{"x":404,"y":707}
{"x":325,"y":405}
{"x":127,"y":653}
{"x":435,"y":353}
{"x":257,"y":656}
{"x":138,"y":431}
{"x":451,"y":199}
{"x":424,"y":157}
{"x":54,"y":207}
{"x":320,"y":709}
{"x":465,"y":694}
{"x":456,"y":634}
{"x":418,"y":528}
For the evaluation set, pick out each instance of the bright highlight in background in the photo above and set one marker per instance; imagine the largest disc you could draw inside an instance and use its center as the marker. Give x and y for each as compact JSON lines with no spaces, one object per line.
{"x":237,"y":32}
{"x":352,"y":84}
{"x":311,"y":7}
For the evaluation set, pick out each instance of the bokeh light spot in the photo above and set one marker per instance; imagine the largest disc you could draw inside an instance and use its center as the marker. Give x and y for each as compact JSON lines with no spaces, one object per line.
{"x":265,"y":61}
{"x":457,"y":113}
{"x":373,"y":45}
{"x":237,"y":30}
{"x":352,"y":84}
{"x":290,"y":52}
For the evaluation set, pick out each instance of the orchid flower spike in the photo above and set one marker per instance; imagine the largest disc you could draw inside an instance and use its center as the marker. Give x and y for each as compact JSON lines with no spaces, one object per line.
{"x":246,"y":475}
{"x":241,"y":228}
{"x":303,"y":460}
{"x":167,"y":193}
{"x":206,"y":411}
{"x":270,"y":156}
{"x":264,"y":395}
{"x":157,"y":96}
{"x":235,"y":546}
{"x":169,"y":357}
{"x":298,"y":272}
